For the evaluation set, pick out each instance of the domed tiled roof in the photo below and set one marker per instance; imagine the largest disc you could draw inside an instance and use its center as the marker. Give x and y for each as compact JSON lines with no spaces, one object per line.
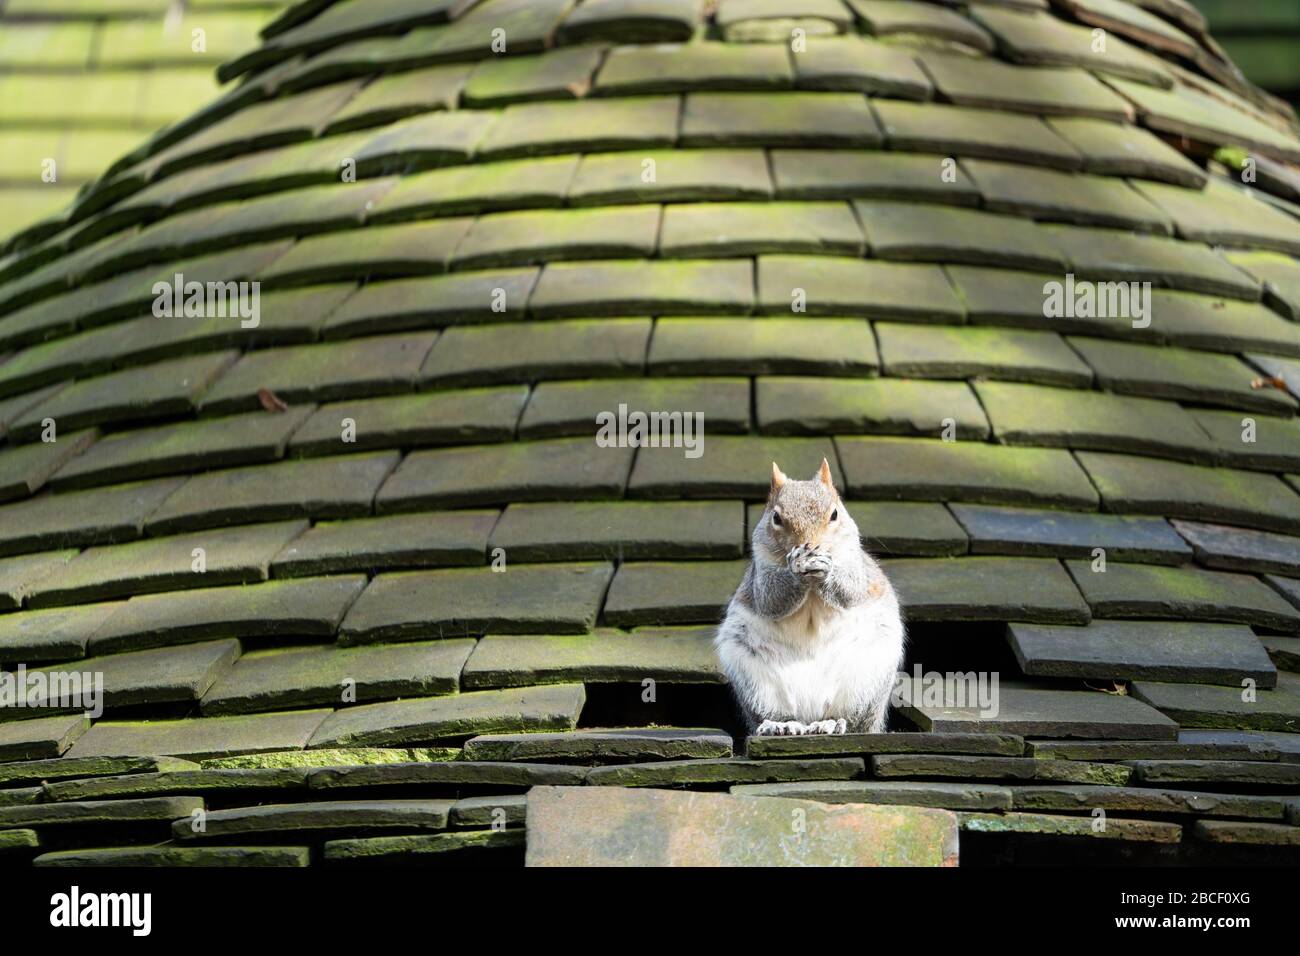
{"x":369,"y":522}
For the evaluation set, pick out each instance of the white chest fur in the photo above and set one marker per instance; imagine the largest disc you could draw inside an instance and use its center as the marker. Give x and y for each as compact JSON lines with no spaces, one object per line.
{"x":816,"y":664}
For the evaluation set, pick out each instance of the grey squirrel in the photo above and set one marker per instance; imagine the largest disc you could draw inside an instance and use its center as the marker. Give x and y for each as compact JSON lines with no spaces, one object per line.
{"x":813,"y":637}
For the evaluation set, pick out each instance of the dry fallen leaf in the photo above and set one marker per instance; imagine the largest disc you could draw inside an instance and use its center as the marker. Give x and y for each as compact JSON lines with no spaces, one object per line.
{"x":271,"y":401}
{"x":1277,"y":382}
{"x":1115,"y":687}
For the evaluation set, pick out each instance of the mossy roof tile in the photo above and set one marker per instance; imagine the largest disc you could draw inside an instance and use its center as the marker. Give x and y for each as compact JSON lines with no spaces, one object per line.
{"x":808,"y":405}
{"x":424,"y":141}
{"x":865,"y":174}
{"x":329,"y":676}
{"x":920,"y":793}
{"x":526,"y":238}
{"x":40,"y":738}
{"x":837,"y":285}
{"x":615,"y":743}
{"x":456,"y":602}
{"x":635,"y":530}
{"x":558,"y":469}
{"x":920,"y":20}
{"x":400,"y":95}
{"x":1073,"y":797}
{"x":1024,"y":531}
{"x":1186,"y":111}
{"x":753,"y":21}
{"x":939,"y":470}
{"x":1117,"y":149}
{"x":730,"y":229}
{"x":857,"y":64}
{"x":670,"y":592}
{"x":1202,"y":705}
{"x":230,"y":556}
{"x":734,"y":466}
{"x":941,"y":352}
{"x":154,"y":676}
{"x":560,"y":74}
{"x":77,"y":519}
{"x":547,"y":708}
{"x":165,"y":389}
{"x":1137,"y":650}
{"x":436,"y":300}
{"x":1279,"y":274}
{"x":1140,"y":590}
{"x":986,"y":588}
{"x":1180,"y":374}
{"x":377,"y":252}
{"x":1053,"y":195}
{"x":200,"y":737}
{"x":54,"y":634}
{"x":1042,"y":91}
{"x":676,"y":287}
{"x":516,"y":184}
{"x":570,"y":408}
{"x":363,"y":816}
{"x":223,"y":784}
{"x":962,"y":130}
{"x":641,"y":21}
{"x":1100,"y":421}
{"x":532,"y":351}
{"x":672,"y":655}
{"x":25,"y":469}
{"x":302,"y":607}
{"x":671,"y":68}
{"x":177,"y":448}
{"x":146,"y":809}
{"x":778,"y":119}
{"x":1252,"y":441}
{"x":1225,"y":215}
{"x":19,"y":575}
{"x":387,"y":544}
{"x":359,"y":368}
{"x":1237,"y":549}
{"x":536,"y":129}
{"x":969,"y":767}
{"x":403,"y":421}
{"x":1113,"y":255}
{"x":1044,"y":40}
{"x":1031,"y":711}
{"x":762,"y":346}
{"x":337,"y":487}
{"x":1149,"y":486}
{"x":441,"y":774}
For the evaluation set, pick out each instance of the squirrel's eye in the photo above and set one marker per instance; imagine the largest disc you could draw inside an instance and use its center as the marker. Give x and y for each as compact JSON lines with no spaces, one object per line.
{"x":835,"y":513}
{"x":776,"y":519}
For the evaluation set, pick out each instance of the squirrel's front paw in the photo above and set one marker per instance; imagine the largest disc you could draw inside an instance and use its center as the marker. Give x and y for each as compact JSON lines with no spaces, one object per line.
{"x":810,"y":563}
{"x":835,"y":726}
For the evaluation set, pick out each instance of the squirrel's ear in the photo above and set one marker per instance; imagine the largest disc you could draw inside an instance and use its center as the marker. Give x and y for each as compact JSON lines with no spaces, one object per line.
{"x":824,"y":475}
{"x":778,"y":479}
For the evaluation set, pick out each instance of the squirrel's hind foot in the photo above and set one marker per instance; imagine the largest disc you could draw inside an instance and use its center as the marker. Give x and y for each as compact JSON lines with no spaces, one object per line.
{"x":835,"y":726}
{"x":781,"y":728}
